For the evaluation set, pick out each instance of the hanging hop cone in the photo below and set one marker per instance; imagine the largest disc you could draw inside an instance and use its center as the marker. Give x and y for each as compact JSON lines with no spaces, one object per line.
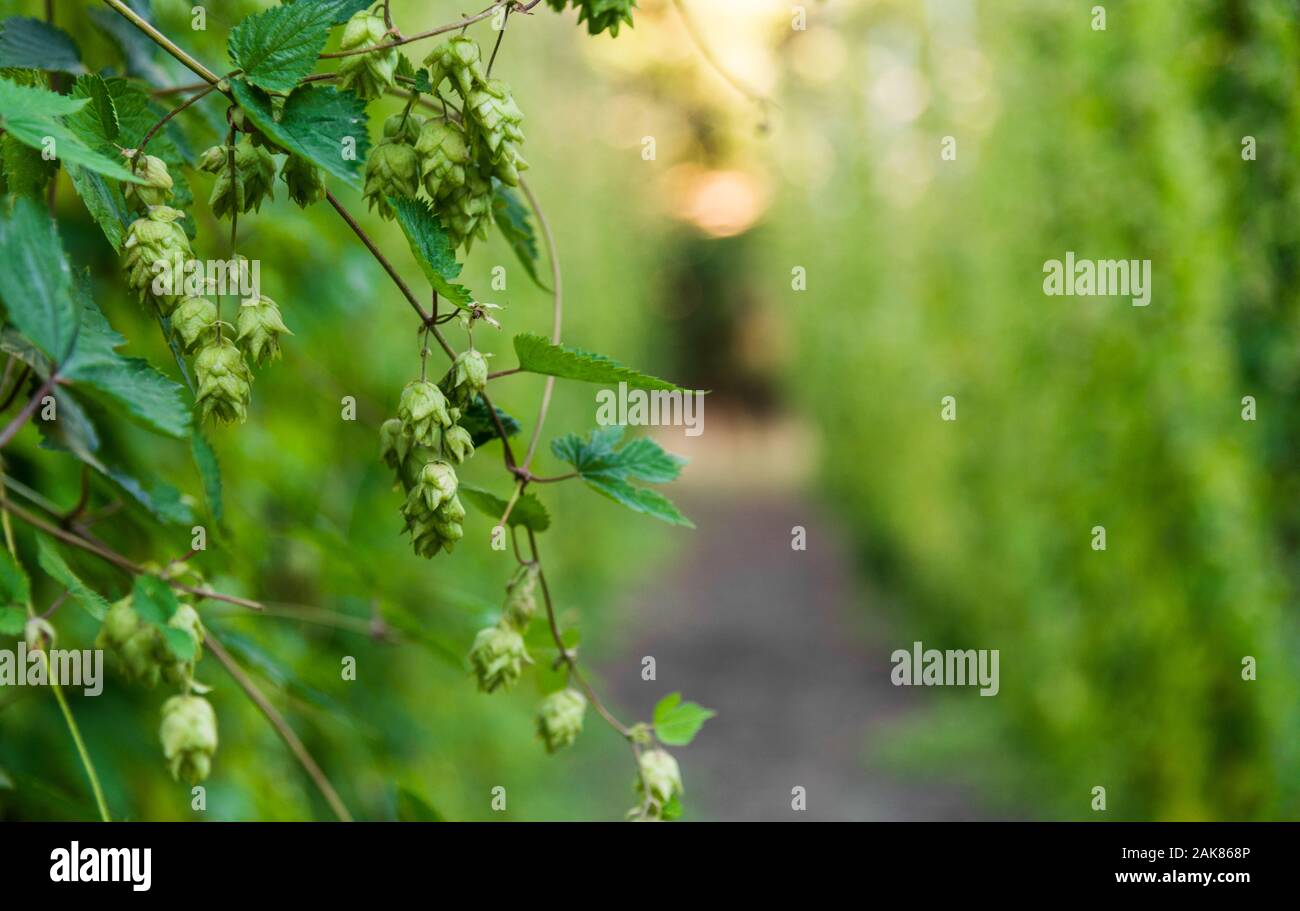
{"x":660,"y":774}
{"x":306,"y":186}
{"x":423,"y":410}
{"x":444,"y":156}
{"x":497,"y":121}
{"x":497,"y":658}
{"x":255,"y":167}
{"x":404,"y":128}
{"x":155,"y":242}
{"x":259,"y":327}
{"x":393,"y":169}
{"x":394,"y":443}
{"x":466,"y":378}
{"x":189,"y":737}
{"x":559,"y":718}
{"x":134,"y":644}
{"x":225,"y":383}
{"x":600,"y":14}
{"x":467,"y":212}
{"x":371,"y":73}
{"x":193,"y":323}
{"x":157,"y":186}
{"x":187,"y":619}
{"x":521,"y":603}
{"x":432,"y":510}
{"x":457,"y":444}
{"x":228,"y":194}
{"x":459,"y":60}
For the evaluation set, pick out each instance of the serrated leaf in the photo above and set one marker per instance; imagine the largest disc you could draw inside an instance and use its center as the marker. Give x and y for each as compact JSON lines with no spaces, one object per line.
{"x":54,"y":566}
{"x":130,"y":383}
{"x":676,"y":722}
{"x":104,"y":202}
{"x":528,"y":511}
{"x":345,"y":9}
{"x":36,"y":44}
{"x":14,"y":585}
{"x":35,"y":281}
{"x":431,"y":248}
{"x":205,"y":458}
{"x":606,"y":469}
{"x":278,"y":46}
{"x":316,"y":124}
{"x":478,"y":421}
{"x":30,"y":115}
{"x":26,"y":172}
{"x":12,"y":620}
{"x":539,"y":355}
{"x":154,"y":600}
{"x":512,"y":220}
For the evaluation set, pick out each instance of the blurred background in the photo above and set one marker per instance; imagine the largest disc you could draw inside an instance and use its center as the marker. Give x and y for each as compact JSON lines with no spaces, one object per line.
{"x":798,"y":244}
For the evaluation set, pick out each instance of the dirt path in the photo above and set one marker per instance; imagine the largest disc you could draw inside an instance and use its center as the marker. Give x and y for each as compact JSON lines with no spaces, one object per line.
{"x":782,"y":644}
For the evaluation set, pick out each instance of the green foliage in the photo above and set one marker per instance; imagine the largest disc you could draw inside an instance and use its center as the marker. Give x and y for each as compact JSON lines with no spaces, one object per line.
{"x":32,"y":115}
{"x":432,"y":249}
{"x":35,"y":44}
{"x":512,"y":220}
{"x":205,"y":458}
{"x":278,"y":46}
{"x":53,"y":564}
{"x":676,"y":723}
{"x":316,"y":123}
{"x":539,"y":355}
{"x":35,"y":281}
{"x":15,"y":589}
{"x":528,"y":511}
{"x":607,"y":470}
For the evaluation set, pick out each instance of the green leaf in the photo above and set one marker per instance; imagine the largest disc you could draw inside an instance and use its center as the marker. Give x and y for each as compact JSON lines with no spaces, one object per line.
{"x":52,"y":562}
{"x":35,"y":44}
{"x":345,"y":9}
{"x":315,"y":123}
{"x":513,"y":222}
{"x":478,"y":421}
{"x":672,"y":809}
{"x":538,"y":355}
{"x":431,"y":248}
{"x":180,"y":643}
{"x":210,"y":471}
{"x":278,"y":46}
{"x":528,"y":511}
{"x":14,"y":586}
{"x":676,"y":722}
{"x":104,"y":202}
{"x":154,"y":600}
{"x":13,"y":620}
{"x":35,"y":281}
{"x":30,"y":115}
{"x":606,"y":470}
{"x":26,"y":172}
{"x":128,"y":382}
{"x":410,"y":806}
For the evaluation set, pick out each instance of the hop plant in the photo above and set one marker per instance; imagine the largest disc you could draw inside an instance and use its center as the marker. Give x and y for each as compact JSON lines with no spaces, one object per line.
{"x":521,"y":604}
{"x":466,"y":378}
{"x":154,"y":239}
{"x":457,"y":444}
{"x":497,"y":121}
{"x":157,"y":187}
{"x":467,"y":211}
{"x":433,"y":511}
{"x":660,"y":778}
{"x":498,"y":657}
{"x":394,"y":443}
{"x":559,"y":718}
{"x":189,"y":737}
{"x":371,"y":73}
{"x":193,"y":323}
{"x":600,"y":15}
{"x":306,"y":186}
{"x":225,"y":383}
{"x":259,"y":327}
{"x":423,"y":412}
{"x":215,"y":159}
{"x":444,"y":156}
{"x":134,"y":644}
{"x":187,"y":619}
{"x":393,"y":169}
{"x":458,"y":59}
{"x":228,"y":195}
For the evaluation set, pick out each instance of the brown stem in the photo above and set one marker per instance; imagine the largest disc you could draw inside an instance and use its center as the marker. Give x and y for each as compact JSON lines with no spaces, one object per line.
{"x":281,"y":726}
{"x":162,"y":41}
{"x":557,"y":293}
{"x":383,"y":260}
{"x":153,"y":130}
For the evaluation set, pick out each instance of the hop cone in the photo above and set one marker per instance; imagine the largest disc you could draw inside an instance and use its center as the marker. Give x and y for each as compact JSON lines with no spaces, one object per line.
{"x":498,"y":657}
{"x":193,"y":321}
{"x":559,"y":718}
{"x":189,"y":737}
{"x":304,"y":181}
{"x":259,"y":327}
{"x":224,"y":382}
{"x":466,"y":378}
{"x":444,"y":157}
{"x":660,"y":774}
{"x":404,"y":128}
{"x":393,"y":169}
{"x":459,"y":60}
{"x":157,"y":186}
{"x":366,"y":74}
{"x":423,"y":410}
{"x":256,"y":169}
{"x":154,"y":238}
